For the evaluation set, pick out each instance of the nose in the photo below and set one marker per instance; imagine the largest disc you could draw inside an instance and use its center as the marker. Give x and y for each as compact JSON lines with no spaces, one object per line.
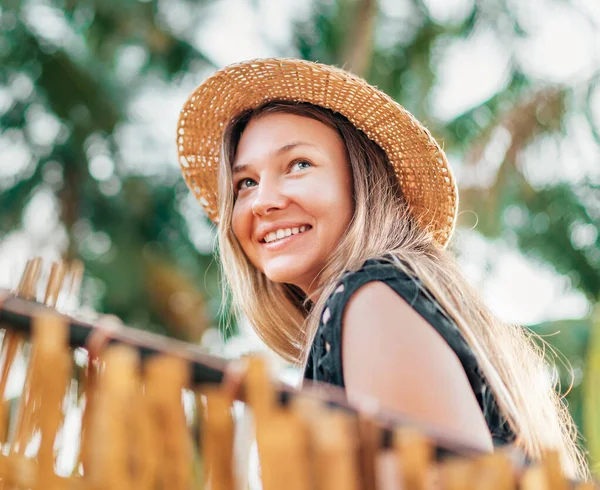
{"x":269,"y":197}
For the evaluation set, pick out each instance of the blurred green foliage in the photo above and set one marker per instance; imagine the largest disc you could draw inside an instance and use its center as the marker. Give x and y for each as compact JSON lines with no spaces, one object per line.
{"x":77,"y":82}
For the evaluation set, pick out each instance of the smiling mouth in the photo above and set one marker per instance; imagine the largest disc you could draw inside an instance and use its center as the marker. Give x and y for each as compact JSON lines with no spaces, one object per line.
{"x":283,"y":233}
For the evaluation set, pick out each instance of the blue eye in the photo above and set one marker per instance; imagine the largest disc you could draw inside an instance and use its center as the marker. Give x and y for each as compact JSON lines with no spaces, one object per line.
{"x":302,"y":164}
{"x":245,"y":183}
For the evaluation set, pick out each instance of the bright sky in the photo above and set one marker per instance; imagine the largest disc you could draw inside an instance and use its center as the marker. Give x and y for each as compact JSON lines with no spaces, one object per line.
{"x":564,"y":48}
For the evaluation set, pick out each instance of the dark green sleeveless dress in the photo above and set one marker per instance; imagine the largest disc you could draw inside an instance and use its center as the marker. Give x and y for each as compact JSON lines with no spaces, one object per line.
{"x":325,"y":362}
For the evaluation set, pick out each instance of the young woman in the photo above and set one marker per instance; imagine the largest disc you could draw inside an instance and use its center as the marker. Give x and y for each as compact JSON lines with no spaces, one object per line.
{"x":334,"y":207}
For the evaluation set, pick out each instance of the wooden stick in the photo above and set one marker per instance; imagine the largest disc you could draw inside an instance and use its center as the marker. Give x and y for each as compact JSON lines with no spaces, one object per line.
{"x":90,"y":383}
{"x":110,"y":445}
{"x":457,"y":473}
{"x":30,"y":291}
{"x":494,"y":472}
{"x":10,"y":346}
{"x":166,"y":378}
{"x":147,"y":442}
{"x":76,"y":272}
{"x":283,"y":452}
{"x":554,"y":474}
{"x":22,"y":287}
{"x":27,"y":406}
{"x":259,"y":390}
{"x":534,"y":478}
{"x":55,"y":283}
{"x":4,"y":420}
{"x":53,"y":370}
{"x":23,"y":473}
{"x":281,"y":435}
{"x":369,"y":445}
{"x":217,"y":435}
{"x":50,"y":283}
{"x":336,"y":446}
{"x":414,"y":456}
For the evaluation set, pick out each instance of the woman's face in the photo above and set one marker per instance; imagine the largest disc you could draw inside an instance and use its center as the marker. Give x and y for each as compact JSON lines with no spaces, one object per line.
{"x":294,"y":196}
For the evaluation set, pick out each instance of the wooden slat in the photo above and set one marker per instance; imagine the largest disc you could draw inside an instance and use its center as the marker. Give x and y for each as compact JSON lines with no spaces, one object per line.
{"x":217,"y":437}
{"x":50,"y":344}
{"x":165,"y":379}
{"x":414,"y":455}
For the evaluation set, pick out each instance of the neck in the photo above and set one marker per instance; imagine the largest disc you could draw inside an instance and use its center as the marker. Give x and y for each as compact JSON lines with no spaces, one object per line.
{"x":301,"y":291}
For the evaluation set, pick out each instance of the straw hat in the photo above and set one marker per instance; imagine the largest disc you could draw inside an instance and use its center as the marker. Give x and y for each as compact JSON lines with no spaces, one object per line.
{"x":419,"y":163}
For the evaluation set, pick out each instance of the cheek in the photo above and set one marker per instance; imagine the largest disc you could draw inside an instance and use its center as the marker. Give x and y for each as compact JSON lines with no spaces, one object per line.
{"x":330,"y":202}
{"x":343,"y":209}
{"x":241,"y":224}
{"x":335,"y":198}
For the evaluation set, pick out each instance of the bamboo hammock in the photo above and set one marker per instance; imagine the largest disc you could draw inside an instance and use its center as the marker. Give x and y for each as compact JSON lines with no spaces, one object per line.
{"x":137,"y":433}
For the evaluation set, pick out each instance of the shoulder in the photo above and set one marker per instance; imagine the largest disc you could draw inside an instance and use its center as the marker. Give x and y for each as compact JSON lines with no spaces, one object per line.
{"x":392,"y":354}
{"x":382,"y":334}
{"x":375,"y":318}
{"x":390,"y":292}
{"x":324,"y":360}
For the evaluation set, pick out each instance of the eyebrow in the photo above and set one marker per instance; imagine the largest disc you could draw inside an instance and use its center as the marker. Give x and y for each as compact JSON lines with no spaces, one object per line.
{"x":279,"y":151}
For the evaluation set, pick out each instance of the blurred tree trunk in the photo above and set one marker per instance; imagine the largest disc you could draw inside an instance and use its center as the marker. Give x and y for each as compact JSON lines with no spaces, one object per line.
{"x":358,"y":51}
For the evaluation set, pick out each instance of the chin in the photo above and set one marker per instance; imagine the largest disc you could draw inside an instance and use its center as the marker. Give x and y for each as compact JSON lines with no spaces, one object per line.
{"x":288,"y":270}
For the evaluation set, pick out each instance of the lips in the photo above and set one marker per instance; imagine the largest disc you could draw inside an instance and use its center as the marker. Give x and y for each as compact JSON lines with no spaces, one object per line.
{"x":282,"y":233}
{"x":277,"y":243}
{"x":268,"y":233}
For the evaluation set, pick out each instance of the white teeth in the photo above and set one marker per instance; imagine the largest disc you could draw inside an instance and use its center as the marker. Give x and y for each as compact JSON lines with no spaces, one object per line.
{"x":283,"y":233}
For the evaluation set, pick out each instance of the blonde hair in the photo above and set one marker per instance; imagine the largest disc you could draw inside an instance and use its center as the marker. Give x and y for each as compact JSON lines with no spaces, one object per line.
{"x":513,"y":365}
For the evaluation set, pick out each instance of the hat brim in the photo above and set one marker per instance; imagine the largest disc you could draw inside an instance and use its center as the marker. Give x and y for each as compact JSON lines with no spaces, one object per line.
{"x":420,"y":164}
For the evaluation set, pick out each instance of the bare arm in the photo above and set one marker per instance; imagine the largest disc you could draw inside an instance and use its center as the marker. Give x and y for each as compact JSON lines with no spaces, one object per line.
{"x":390,"y":353}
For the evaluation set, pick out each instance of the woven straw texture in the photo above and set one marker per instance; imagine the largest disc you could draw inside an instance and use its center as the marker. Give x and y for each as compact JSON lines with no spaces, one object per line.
{"x":419,"y":162}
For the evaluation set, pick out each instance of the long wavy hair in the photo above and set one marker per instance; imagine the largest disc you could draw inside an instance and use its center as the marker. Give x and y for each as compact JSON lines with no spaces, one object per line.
{"x":286,"y":320}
